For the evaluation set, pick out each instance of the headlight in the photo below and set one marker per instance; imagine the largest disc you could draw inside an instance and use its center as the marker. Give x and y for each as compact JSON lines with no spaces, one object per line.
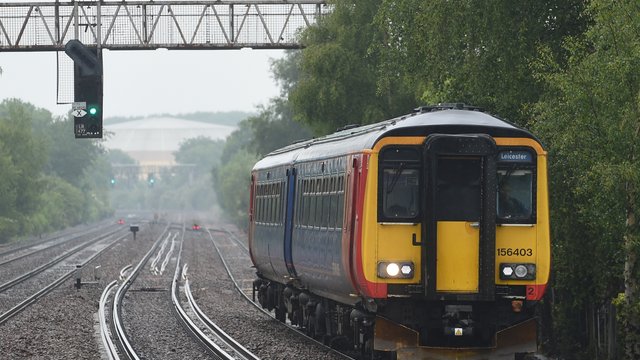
{"x":395,"y":269}
{"x":521,"y":271}
{"x":517,"y":271}
{"x":507,"y":271}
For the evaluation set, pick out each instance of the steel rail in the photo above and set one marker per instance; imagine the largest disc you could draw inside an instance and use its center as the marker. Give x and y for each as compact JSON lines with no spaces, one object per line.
{"x":124,"y":270}
{"x":239,"y":289}
{"x":36,"y":242}
{"x":211,"y":326}
{"x":194,"y":330}
{"x":47,"y":289}
{"x":17,"y":280}
{"x":124,"y":344}
{"x":112,"y":350}
{"x":46,"y":248}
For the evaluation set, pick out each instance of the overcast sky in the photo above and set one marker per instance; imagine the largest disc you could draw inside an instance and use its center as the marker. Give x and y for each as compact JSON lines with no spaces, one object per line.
{"x":138,"y":83}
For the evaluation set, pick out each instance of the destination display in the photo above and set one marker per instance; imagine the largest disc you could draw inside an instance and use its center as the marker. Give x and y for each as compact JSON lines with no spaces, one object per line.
{"x":515,"y":156}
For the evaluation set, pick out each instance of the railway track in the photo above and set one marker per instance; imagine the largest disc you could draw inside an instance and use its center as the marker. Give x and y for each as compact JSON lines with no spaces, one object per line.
{"x":146,"y":310}
{"x":231,"y":249}
{"x":41,"y":280}
{"x":124,"y":345}
{"x":56,"y":238}
{"x":209,"y":335}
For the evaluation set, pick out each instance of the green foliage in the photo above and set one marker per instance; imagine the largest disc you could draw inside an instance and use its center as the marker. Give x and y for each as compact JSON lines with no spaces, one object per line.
{"x":475,"y":52}
{"x":201,"y":151}
{"x":116,"y":156}
{"x":21,"y":153}
{"x":271,"y":129}
{"x":45,"y":183}
{"x":589,"y":114}
{"x":338,"y":72}
{"x":274,"y":128}
{"x":237,"y":141}
{"x":61,"y":205}
{"x":68,"y":157}
{"x":232,"y":186}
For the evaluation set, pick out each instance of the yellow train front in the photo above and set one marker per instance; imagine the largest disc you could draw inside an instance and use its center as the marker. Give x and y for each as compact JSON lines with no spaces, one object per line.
{"x":425,"y":236}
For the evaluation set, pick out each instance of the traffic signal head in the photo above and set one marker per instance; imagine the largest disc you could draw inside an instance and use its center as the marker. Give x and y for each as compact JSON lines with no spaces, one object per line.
{"x":87,"y":106}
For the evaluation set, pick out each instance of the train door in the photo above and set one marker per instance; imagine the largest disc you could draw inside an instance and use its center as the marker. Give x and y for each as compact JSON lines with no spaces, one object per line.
{"x":459,"y":229}
{"x":288,"y":220}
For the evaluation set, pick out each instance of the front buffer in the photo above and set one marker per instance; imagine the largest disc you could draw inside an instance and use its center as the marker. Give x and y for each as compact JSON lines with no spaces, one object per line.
{"x":519,"y":340}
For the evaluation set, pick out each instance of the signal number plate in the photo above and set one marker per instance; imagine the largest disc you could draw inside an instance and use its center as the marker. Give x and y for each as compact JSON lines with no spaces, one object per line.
{"x":515,"y":252}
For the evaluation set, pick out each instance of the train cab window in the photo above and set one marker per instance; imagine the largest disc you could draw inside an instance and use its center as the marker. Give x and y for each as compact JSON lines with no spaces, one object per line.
{"x":399,"y":190}
{"x":515,"y":194}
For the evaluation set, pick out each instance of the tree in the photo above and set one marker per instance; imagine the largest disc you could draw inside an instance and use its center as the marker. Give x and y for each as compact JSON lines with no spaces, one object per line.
{"x":201,"y":151}
{"x":117,"y":156}
{"x":274,"y":128}
{"x":232,"y":186}
{"x":22,"y":155}
{"x":337,"y":84}
{"x":39,"y":189}
{"x":68,"y":158}
{"x":590,"y":114}
{"x":476,"y":52}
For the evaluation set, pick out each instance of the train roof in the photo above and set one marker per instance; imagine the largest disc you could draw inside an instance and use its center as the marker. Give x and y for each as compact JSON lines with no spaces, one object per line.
{"x":455,"y":119}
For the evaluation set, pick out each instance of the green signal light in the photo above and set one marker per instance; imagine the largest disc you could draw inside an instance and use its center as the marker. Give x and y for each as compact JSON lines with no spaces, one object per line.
{"x":93,"y":110}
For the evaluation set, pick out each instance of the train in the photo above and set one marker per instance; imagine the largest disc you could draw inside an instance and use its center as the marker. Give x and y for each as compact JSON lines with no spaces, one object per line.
{"x":423,"y":236}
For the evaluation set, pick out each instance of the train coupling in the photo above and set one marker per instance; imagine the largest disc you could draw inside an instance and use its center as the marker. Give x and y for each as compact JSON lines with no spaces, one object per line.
{"x":457,"y":321}
{"x":405,"y":342}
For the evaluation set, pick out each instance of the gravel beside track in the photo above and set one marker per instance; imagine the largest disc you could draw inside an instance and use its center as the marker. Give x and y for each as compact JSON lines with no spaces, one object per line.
{"x":215,"y":294}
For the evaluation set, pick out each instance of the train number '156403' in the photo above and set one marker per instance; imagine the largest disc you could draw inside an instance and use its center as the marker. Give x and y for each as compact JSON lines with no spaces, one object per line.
{"x":515,"y":252}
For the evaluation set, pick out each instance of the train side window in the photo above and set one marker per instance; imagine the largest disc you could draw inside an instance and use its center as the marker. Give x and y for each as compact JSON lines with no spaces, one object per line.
{"x":307,"y":204}
{"x":269,"y":203}
{"x":333,"y":202}
{"x":340,"y":213}
{"x":259,"y":204}
{"x":276,"y":202}
{"x":399,"y":183}
{"x":326,"y":203}
{"x":319,"y":201}
{"x":297,"y":210}
{"x":515,"y":194}
{"x":282,"y":198}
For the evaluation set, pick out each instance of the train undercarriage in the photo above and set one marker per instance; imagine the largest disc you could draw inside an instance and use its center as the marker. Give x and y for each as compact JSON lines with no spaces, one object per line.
{"x":408,"y":328}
